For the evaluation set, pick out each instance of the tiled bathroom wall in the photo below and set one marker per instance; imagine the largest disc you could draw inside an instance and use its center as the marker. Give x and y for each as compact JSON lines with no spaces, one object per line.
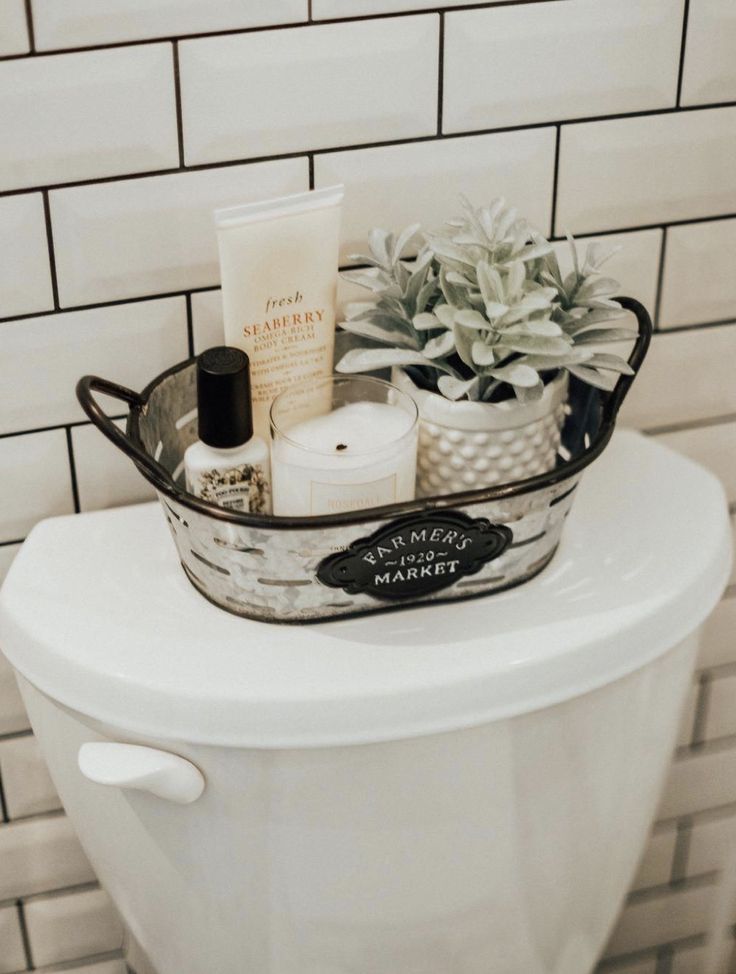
{"x":123,"y":124}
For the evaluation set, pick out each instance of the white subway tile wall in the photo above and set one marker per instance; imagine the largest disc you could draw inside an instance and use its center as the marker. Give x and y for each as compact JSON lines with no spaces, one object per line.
{"x":699,"y":282}
{"x":87,"y":115}
{"x":13,"y":28}
{"x":43,"y":357}
{"x":154,"y":235}
{"x":72,"y":925}
{"x":124,"y":125}
{"x":236,"y":106}
{"x":13,"y":957}
{"x":710,"y":67}
{"x":646,"y":169}
{"x":393,"y":186}
{"x":488,"y":83}
{"x":83,"y":23}
{"x":25,"y":274}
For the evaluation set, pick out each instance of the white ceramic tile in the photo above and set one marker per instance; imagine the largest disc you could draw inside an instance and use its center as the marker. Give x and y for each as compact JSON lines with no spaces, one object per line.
{"x":732,"y":579}
{"x":710,"y":56}
{"x":655,"y":867}
{"x":40,"y":855}
{"x":649,"y":921}
{"x":700,"y":780}
{"x":721,"y":713}
{"x":718,"y":646}
{"x":650,"y":169}
{"x":34,"y":472}
{"x":79,"y":116}
{"x":105,"y":967}
{"x":44,"y":357}
{"x":687,"y":720}
{"x":689,"y":960}
{"x":699,"y":280}
{"x":324,"y":9}
{"x":154,"y":234}
{"x":28,"y":787}
{"x":25,"y":275}
{"x":687,"y":375}
{"x":635,"y":265}
{"x":207,"y":323}
{"x":713,"y":447}
{"x":288,"y":90}
{"x":394,"y":186}
{"x":711,"y":839}
{"x":13,"y":717}
{"x":503,"y":64}
{"x":646,"y":966}
{"x":81,"y":23}
{"x":12,"y":955}
{"x":13,"y":28}
{"x":62,"y":928}
{"x":105,"y":476}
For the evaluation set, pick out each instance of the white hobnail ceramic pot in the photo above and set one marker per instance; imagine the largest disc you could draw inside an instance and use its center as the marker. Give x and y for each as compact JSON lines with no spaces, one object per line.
{"x":469,"y":445}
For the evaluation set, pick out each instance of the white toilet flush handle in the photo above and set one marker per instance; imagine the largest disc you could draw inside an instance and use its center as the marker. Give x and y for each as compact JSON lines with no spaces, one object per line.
{"x":144,"y":768}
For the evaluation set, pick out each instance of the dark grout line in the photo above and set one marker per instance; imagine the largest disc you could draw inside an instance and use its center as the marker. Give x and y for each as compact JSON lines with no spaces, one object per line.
{"x":50,"y":245}
{"x":24,"y":936}
{"x":72,"y":469}
{"x":697,"y":739}
{"x":665,"y":890}
{"x":683,"y":48}
{"x":132,"y":299}
{"x":177,"y":97}
{"x":6,"y":544}
{"x":14,"y":735}
{"x":665,"y":956}
{"x":691,"y":424}
{"x":48,"y":429}
{"x":386,"y":15}
{"x":700,"y":324}
{"x":190,"y":326}
{"x":440,"y":73}
{"x":388,"y":143}
{"x":31,"y":29}
{"x":310,"y":157}
{"x":555,"y":181}
{"x":681,"y":855}
{"x":660,"y":280}
{"x":4,"y":815}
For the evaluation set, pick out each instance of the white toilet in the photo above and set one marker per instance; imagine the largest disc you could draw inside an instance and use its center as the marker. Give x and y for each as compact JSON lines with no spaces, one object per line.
{"x":459,"y":789}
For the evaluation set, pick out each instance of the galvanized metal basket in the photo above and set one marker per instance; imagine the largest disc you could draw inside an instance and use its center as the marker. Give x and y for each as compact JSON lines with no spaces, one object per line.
{"x":287,"y":569}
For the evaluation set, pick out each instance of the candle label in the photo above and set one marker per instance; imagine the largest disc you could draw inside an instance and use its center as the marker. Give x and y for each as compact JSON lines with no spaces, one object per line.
{"x":337,"y":498}
{"x":415,"y":555}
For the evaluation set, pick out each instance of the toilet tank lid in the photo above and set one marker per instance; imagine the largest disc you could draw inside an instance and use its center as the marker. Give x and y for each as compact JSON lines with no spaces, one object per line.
{"x":97,"y":614}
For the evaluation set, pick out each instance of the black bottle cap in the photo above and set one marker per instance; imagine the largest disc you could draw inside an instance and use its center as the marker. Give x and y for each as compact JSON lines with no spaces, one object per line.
{"x":225,"y":415}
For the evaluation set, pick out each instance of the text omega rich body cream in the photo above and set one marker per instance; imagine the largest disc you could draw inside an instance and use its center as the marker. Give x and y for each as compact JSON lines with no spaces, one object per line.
{"x":279,"y":262}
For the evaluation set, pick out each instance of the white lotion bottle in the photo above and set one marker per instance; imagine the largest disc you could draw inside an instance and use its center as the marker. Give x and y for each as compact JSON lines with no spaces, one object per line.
{"x":227,"y":465}
{"x":278,"y":263}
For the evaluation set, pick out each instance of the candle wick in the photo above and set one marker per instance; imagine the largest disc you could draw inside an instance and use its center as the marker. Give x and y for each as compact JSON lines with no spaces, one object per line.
{"x":341,"y":446}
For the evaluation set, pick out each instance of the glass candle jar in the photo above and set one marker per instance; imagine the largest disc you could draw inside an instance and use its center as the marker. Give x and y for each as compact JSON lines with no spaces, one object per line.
{"x":340,"y":444}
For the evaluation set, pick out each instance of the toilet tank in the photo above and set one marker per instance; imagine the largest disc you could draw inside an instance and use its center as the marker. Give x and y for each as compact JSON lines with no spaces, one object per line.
{"x":455,"y":790}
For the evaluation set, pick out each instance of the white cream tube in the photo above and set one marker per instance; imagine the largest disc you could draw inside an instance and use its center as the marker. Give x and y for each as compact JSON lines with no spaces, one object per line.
{"x":279,"y":262}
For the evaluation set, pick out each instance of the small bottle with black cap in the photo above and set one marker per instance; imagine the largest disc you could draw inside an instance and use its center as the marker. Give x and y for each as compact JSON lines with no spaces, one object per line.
{"x":228,"y":465}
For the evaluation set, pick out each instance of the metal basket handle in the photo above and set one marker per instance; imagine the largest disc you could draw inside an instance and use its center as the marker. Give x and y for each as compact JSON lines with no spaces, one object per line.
{"x":93,"y":383}
{"x":615,"y":399}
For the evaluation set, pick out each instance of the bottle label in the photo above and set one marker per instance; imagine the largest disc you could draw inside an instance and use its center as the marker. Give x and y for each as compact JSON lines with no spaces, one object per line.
{"x":241,"y":488}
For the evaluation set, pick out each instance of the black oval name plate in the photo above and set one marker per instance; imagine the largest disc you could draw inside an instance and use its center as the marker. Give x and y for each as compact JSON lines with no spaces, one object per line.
{"x":415,"y":555}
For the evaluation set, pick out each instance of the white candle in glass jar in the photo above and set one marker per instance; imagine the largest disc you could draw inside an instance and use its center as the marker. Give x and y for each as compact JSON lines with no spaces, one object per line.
{"x":359,"y":455}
